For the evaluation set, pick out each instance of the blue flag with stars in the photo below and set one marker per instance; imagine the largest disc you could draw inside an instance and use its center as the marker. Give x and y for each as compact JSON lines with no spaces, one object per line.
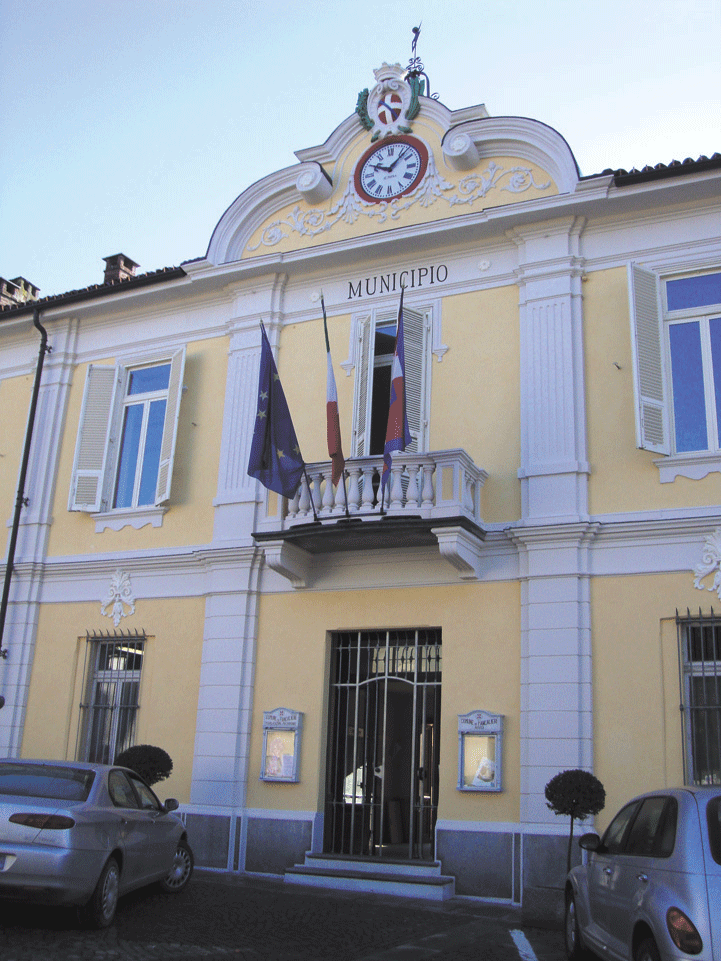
{"x":275,"y":458}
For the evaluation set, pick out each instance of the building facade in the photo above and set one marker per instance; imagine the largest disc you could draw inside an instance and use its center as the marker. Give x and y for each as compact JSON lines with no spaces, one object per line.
{"x":367,"y":688}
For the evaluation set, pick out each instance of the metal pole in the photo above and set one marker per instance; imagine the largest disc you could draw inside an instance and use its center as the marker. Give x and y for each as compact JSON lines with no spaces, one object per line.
{"x":21,"y":500}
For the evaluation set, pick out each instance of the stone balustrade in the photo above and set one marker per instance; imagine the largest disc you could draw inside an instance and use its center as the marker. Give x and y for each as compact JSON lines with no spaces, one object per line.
{"x":434,"y":485}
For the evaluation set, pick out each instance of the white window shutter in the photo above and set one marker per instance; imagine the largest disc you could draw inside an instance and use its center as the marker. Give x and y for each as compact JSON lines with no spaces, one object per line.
{"x":414,"y":330}
{"x":170,"y":427}
{"x":91,"y":448}
{"x":652,"y":432}
{"x":363,"y":392}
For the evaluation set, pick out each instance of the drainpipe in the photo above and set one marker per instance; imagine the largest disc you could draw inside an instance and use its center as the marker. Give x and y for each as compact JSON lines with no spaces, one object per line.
{"x":22,"y":500}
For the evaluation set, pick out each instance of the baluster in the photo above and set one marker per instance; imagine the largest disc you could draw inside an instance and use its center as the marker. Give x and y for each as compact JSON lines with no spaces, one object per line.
{"x":367,"y":503}
{"x":396,"y":487}
{"x":428,"y":493}
{"x":303,"y":498}
{"x":413,"y":495}
{"x":327,"y":499}
{"x":317,"y":493}
{"x":340,"y":494}
{"x":354,"y":494}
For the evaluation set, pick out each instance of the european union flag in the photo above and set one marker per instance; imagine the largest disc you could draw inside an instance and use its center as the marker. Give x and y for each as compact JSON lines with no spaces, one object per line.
{"x":275,"y":458}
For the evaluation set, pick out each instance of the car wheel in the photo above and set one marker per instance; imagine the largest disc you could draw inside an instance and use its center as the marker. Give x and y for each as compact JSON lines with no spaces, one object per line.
{"x":181,"y":871}
{"x":575,"y":949}
{"x":99,"y":912}
{"x":647,"y":951}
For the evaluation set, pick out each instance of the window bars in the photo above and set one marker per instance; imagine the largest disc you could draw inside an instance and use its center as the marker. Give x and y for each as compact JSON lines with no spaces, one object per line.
{"x":111,"y":685}
{"x":699,"y":645}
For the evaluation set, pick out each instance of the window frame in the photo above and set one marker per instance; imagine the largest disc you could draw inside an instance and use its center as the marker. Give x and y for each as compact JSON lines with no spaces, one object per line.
{"x":696,"y":712}
{"x":97,"y":449}
{"x":652,"y":372}
{"x":421,"y":320}
{"x":93,"y":725}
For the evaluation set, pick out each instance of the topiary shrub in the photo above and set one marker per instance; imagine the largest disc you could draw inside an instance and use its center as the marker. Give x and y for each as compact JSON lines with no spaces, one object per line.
{"x":153,"y":764}
{"x":577,"y":794}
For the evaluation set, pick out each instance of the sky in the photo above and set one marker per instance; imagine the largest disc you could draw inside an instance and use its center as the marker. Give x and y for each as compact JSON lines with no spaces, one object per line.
{"x":129,"y":126}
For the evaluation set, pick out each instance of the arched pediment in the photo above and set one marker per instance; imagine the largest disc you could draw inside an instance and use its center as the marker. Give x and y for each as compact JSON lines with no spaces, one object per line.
{"x":475,"y":162}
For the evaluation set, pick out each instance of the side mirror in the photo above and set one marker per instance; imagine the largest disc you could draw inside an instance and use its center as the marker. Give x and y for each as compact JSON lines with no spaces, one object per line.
{"x":171,"y":804}
{"x":589,"y":842}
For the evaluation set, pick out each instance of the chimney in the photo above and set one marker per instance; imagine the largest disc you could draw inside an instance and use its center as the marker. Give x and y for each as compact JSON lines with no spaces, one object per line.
{"x":17,"y":291}
{"x":118,"y":268}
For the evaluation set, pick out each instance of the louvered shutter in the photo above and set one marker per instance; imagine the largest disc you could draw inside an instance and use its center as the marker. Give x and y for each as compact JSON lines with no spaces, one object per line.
{"x":170,"y":427}
{"x":414,"y":329}
{"x":91,"y":448}
{"x":363,"y":391}
{"x":652,"y":431}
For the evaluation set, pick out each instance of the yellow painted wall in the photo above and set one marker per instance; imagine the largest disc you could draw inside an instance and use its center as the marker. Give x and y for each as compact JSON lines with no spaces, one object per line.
{"x":481,"y":670}
{"x":15,"y":397}
{"x":636,"y":693}
{"x":623,"y":478}
{"x":476,"y":393}
{"x":168,"y":689}
{"x":189,"y":519}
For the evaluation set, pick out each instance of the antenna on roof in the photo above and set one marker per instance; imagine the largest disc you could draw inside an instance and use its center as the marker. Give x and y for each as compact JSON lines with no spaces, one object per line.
{"x":415,"y":69}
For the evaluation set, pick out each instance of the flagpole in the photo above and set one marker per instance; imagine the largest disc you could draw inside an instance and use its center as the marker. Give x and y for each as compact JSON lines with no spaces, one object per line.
{"x":310,"y":493}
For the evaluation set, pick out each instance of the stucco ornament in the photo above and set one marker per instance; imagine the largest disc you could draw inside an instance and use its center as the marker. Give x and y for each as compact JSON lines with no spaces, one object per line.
{"x":120,"y":595}
{"x":432,"y":188}
{"x":710,"y":563}
{"x":391,"y":104}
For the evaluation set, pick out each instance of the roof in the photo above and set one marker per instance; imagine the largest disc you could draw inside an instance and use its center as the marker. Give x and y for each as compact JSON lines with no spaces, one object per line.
{"x":162,"y":275}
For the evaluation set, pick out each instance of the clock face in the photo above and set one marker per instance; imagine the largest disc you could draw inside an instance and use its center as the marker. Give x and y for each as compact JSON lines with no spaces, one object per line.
{"x":391,"y":169}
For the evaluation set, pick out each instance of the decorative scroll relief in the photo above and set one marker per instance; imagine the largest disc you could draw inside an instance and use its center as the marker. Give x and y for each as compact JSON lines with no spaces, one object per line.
{"x":433,"y":188}
{"x":119,"y":596}
{"x":710,"y":563}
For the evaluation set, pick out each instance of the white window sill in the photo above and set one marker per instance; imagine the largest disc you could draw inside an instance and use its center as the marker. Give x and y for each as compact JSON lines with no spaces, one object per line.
{"x":136,"y":517}
{"x":695,"y":466}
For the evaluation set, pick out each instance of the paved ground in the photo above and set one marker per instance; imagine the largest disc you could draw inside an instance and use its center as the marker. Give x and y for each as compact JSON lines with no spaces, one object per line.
{"x":219,"y":918}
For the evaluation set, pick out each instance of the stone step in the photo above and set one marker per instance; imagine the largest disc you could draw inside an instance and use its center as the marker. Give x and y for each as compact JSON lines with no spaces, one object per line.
{"x":401,"y":879}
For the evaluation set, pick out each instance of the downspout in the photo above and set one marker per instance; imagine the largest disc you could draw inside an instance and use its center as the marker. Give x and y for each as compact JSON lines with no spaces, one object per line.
{"x":22,"y":500}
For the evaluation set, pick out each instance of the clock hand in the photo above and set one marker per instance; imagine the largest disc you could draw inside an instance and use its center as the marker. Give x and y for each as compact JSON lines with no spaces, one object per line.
{"x":399,"y":157}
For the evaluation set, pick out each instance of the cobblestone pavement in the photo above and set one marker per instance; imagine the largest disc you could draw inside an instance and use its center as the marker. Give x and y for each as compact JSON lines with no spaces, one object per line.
{"x":220,"y":918}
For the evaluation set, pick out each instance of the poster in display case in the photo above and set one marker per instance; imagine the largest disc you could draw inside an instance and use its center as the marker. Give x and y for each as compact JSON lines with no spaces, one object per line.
{"x":282,"y":729}
{"x":480,"y":751}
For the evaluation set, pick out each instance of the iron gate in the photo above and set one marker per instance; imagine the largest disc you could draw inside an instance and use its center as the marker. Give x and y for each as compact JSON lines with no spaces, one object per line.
{"x":383,"y":743}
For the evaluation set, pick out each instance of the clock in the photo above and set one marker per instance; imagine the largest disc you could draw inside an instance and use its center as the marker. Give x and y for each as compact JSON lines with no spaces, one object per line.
{"x":390,"y":169}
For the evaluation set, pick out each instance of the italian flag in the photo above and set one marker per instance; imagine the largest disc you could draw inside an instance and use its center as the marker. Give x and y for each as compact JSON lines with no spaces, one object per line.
{"x":335,"y":450}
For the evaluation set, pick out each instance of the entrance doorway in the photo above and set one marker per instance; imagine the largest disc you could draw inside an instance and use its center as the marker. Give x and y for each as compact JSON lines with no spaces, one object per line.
{"x":383,"y":743}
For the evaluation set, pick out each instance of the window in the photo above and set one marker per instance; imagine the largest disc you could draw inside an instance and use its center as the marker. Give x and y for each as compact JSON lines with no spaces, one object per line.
{"x":375,"y":336}
{"x":126,"y":436}
{"x":653,"y":834}
{"x":677,"y":366}
{"x":614,"y":838}
{"x":699,"y":640}
{"x":108,"y":715}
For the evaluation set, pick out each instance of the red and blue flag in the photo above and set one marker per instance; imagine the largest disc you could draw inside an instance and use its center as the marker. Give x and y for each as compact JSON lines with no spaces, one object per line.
{"x":398,"y":435}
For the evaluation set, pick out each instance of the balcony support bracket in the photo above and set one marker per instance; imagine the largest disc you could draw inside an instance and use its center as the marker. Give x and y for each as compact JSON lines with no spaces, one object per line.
{"x":289,"y":560}
{"x":462,"y":548}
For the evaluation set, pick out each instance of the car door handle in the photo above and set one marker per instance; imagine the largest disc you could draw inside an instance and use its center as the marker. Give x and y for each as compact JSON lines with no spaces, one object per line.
{"x":642,"y":877}
{"x":607,"y":871}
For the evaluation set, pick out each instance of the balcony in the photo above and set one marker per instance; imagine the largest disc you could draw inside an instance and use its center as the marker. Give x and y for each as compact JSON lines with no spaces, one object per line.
{"x":431,"y":499}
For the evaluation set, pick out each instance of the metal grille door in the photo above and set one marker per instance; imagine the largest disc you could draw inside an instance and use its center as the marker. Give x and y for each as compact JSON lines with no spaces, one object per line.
{"x":383,"y":743}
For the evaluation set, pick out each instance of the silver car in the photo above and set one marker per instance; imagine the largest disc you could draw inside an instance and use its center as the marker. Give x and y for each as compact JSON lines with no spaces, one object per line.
{"x":84,"y":834}
{"x":651,"y":887}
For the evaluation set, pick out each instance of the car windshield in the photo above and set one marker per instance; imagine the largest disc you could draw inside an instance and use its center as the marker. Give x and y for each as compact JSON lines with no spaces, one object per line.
{"x":45,"y":781}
